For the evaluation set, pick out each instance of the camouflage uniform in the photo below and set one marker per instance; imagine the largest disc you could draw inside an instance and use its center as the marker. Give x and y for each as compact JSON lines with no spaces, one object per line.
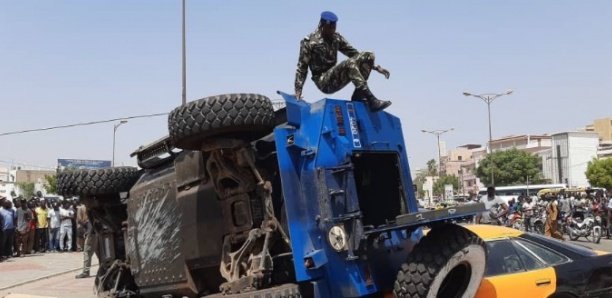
{"x":321,"y":56}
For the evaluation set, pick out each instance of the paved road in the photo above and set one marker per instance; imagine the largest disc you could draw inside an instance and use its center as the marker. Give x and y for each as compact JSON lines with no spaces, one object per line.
{"x":604,"y":244}
{"x":45,"y":275}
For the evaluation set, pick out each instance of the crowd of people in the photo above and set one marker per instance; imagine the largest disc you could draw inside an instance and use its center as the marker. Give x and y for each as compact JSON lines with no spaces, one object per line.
{"x":552,"y":207}
{"x":34,"y":225}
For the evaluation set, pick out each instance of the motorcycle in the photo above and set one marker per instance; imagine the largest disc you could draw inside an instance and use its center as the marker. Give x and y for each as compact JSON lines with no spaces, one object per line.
{"x":584,"y":225}
{"x":515,"y":221}
{"x":536,"y":223}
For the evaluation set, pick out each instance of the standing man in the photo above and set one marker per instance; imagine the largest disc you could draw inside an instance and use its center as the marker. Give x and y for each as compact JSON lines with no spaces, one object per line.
{"x":32,"y":240}
{"x":81,"y":220}
{"x":491,"y":201}
{"x":66,"y":215}
{"x":24,"y":217}
{"x":54,"y":227}
{"x":42,"y":226}
{"x":551,"y":228}
{"x":319,"y":52}
{"x":8,"y":230}
{"x":528,"y":210}
{"x":89,"y":244}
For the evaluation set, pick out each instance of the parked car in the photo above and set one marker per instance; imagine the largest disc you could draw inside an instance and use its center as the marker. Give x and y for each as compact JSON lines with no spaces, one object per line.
{"x":530,"y":265}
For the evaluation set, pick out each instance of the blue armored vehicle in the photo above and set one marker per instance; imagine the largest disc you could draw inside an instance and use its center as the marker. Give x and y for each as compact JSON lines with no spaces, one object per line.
{"x":242,"y":200}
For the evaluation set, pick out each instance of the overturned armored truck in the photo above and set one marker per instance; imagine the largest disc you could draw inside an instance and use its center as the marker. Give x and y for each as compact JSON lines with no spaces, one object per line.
{"x":240,"y":200}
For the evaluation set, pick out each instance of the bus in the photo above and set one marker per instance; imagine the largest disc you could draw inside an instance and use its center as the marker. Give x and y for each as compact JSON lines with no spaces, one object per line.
{"x":509,"y":192}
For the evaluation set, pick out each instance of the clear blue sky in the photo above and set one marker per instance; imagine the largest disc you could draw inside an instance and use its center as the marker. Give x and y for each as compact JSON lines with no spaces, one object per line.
{"x":70,"y":61}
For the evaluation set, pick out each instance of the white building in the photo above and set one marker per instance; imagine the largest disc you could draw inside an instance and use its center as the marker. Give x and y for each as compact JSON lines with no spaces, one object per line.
{"x":566,"y":161}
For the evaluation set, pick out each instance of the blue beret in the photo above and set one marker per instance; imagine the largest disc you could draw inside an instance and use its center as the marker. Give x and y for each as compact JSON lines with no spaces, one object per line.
{"x":329,"y":17}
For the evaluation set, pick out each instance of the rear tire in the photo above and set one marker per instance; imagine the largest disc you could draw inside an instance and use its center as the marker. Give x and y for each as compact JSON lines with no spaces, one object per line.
{"x":597,"y":235}
{"x":448,"y":262}
{"x":538,"y":227}
{"x":572,"y":235}
{"x":97,"y":182}
{"x":243,"y":116}
{"x":282,"y":291}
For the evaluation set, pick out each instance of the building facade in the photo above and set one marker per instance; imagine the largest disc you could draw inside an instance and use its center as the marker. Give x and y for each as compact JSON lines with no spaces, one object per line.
{"x":566,"y":161}
{"x":602,"y":127}
{"x":461,"y":162}
{"x":527,"y":143}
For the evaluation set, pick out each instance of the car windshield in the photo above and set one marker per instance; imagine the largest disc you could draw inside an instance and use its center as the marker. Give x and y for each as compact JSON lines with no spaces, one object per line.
{"x":574,"y":248}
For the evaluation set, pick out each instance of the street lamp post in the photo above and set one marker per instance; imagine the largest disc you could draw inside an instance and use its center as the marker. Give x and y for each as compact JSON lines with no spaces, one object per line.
{"x":114,"y":133}
{"x":489,"y":98}
{"x":437,"y":133}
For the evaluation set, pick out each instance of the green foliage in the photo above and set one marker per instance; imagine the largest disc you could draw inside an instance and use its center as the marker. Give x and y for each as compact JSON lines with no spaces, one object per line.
{"x":510,"y":167}
{"x":438,"y":187}
{"x":51,"y":184}
{"x":432,"y":168}
{"x":599,"y":173}
{"x":27,"y":189}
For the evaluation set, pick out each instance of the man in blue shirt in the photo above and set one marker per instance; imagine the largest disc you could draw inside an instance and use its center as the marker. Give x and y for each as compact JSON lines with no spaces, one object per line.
{"x":7,"y":217}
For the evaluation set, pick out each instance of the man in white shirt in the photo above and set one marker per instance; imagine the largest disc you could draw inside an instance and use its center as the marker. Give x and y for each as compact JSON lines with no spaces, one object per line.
{"x":491,"y":201}
{"x":528,"y":210}
{"x":66,"y":215}
{"x":54,"y":227}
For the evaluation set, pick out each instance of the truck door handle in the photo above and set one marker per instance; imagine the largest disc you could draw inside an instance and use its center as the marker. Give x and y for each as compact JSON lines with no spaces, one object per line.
{"x":542,"y":282}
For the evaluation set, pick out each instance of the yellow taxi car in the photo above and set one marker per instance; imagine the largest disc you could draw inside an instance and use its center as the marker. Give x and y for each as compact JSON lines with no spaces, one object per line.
{"x":528,"y":265}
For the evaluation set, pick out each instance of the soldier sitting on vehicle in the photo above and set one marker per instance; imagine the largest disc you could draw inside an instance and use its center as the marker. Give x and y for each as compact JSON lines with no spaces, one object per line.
{"x":319,"y":52}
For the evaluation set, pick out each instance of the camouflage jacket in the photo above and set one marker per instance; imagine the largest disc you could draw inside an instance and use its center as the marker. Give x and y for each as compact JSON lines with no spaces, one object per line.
{"x":320,"y":55}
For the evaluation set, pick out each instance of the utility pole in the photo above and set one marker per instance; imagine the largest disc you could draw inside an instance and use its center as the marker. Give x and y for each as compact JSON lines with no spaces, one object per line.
{"x":437,"y":133}
{"x":115,"y":133}
{"x":559,"y":164}
{"x":488,"y":98}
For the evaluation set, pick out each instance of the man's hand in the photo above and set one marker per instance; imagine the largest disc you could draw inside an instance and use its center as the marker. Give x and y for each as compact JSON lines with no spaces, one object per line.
{"x":298,"y":95}
{"x":382,"y":71}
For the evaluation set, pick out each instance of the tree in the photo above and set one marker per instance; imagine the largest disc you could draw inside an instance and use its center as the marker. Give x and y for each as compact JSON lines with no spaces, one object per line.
{"x":51,"y":184}
{"x":27,"y":189}
{"x":599,"y":173}
{"x":438,"y":187}
{"x":510,"y":167}
{"x":432,"y":168}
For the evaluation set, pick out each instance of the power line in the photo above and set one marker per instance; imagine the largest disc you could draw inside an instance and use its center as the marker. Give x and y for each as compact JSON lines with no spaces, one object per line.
{"x":80,"y":124}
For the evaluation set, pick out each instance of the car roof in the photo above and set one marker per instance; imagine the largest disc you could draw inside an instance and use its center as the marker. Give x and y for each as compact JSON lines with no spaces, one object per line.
{"x":491,"y":232}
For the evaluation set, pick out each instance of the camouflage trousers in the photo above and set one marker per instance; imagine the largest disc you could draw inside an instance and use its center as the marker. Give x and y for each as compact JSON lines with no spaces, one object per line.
{"x":88,"y":247}
{"x":355,"y":69}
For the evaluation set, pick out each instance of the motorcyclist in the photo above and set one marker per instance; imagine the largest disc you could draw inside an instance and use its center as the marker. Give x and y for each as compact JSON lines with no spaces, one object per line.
{"x":491,"y":201}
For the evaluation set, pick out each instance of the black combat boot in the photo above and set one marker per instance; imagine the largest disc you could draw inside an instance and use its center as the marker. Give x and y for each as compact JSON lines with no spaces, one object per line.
{"x":374,"y":103}
{"x":358,"y":95}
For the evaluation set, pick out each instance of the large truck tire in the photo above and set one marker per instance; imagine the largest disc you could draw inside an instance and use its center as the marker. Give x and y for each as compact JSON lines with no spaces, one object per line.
{"x":97,"y":182}
{"x":243,"y":116}
{"x":448,"y":262}
{"x":282,"y":291}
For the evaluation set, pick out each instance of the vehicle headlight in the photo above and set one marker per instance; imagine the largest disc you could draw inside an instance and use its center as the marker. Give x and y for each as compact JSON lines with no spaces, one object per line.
{"x":337,"y":238}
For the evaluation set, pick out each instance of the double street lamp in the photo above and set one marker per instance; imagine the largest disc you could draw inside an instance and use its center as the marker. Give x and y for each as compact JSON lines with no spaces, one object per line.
{"x":489,"y":98}
{"x":114,"y":133}
{"x":437,"y":133}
